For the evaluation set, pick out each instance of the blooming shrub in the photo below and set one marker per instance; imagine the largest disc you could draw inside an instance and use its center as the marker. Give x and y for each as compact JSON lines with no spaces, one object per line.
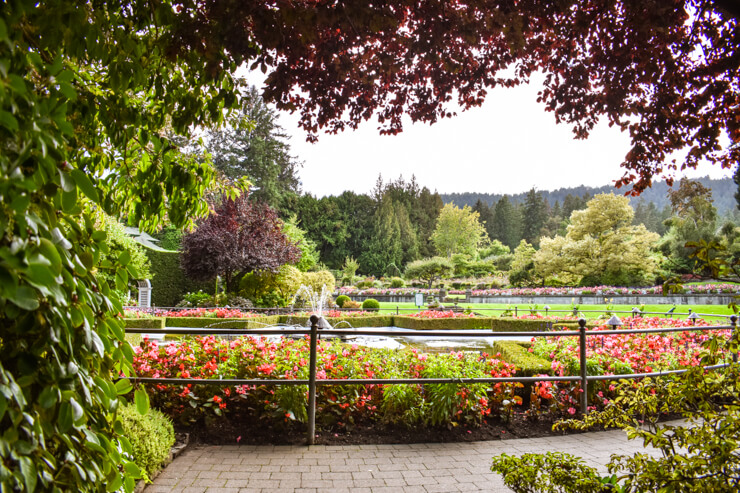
{"x":441,"y":314}
{"x":342,"y":405}
{"x":212,"y":313}
{"x":614,"y":354}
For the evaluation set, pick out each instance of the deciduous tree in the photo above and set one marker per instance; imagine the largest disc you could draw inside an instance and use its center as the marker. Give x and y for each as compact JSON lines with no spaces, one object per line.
{"x":429,"y":269}
{"x":601,"y":246}
{"x":665,"y":72}
{"x":458,"y":231}
{"x":241,"y":236}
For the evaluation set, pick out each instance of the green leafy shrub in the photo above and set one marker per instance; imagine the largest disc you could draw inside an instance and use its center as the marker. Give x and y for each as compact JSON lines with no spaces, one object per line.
{"x":269,"y":289}
{"x":549,"y":472}
{"x":397,"y":282}
{"x":317,"y":280}
{"x":196,"y":300}
{"x":341,"y":299}
{"x":151,"y":436}
{"x":371,"y":304}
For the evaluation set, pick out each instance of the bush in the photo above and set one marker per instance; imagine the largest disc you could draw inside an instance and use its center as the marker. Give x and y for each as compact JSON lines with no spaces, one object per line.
{"x":151,"y":437}
{"x":196,"y":300}
{"x":341,"y":299}
{"x":351,"y":304}
{"x":316,"y":280}
{"x":371,"y":304}
{"x":397,"y":282}
{"x":272,"y":288}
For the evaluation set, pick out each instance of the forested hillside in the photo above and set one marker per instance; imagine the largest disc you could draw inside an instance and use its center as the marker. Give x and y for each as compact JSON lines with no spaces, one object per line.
{"x":723,"y":193}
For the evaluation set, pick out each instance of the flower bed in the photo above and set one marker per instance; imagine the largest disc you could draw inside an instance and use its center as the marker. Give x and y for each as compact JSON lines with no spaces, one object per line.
{"x":211,"y":313}
{"x":252,"y":357}
{"x":615,"y":354}
{"x":550,"y":291}
{"x":441,"y":314}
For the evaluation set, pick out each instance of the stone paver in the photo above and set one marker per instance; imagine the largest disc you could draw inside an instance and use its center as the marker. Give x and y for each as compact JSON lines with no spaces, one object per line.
{"x":419,"y":468}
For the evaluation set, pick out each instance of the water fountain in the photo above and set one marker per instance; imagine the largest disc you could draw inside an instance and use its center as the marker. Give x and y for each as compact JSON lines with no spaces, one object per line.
{"x":317,"y":301}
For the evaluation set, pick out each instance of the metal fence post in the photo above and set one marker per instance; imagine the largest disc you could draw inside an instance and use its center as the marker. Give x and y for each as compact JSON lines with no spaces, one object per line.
{"x":733,"y":321}
{"x":584,"y":376}
{"x":312,"y":381}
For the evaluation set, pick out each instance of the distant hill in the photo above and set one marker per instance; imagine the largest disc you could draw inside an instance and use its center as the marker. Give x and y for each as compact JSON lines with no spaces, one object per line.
{"x":723,"y":192}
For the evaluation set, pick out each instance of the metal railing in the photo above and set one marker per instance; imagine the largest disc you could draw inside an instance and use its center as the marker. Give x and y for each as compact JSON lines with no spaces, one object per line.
{"x":583,"y":378}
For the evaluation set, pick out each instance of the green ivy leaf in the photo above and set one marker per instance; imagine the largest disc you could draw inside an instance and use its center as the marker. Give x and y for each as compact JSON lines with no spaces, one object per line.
{"x":123,"y":386}
{"x":141,"y":398}
{"x":25,"y":298}
{"x":84,"y":184}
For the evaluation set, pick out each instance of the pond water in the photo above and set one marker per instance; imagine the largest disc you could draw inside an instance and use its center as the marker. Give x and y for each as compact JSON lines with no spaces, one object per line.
{"x":404,"y":339}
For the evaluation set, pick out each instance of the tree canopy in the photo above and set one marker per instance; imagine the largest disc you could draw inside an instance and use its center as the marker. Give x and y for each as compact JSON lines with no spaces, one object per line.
{"x":241,"y":236}
{"x":664,"y":72}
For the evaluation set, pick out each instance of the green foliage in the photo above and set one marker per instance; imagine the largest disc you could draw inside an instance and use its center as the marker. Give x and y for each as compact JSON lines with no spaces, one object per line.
{"x":309,"y":254}
{"x":601,"y":247}
{"x":169,"y":283}
{"x":397,"y":282}
{"x":272,"y":288}
{"x":317,"y":280}
{"x":253,"y":145}
{"x":119,"y":242}
{"x":95,"y":104}
{"x":698,"y":455}
{"x":197,"y":299}
{"x":151,"y":436}
{"x":458,"y":231}
{"x":341,"y":299}
{"x":551,"y":472}
{"x":371,"y":304}
{"x":157,"y":323}
{"x":349,"y":269}
{"x":518,"y":354}
{"x":169,"y":238}
{"x":429,"y":269}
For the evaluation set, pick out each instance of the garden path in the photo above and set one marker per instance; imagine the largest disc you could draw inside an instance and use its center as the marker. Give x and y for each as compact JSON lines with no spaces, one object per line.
{"x":419,"y":467}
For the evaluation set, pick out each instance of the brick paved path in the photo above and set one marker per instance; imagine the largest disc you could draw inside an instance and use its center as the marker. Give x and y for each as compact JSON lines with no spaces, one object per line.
{"x":423,"y":468}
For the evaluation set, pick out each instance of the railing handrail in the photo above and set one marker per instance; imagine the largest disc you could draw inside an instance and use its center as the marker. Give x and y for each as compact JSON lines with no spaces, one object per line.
{"x":313,"y":332}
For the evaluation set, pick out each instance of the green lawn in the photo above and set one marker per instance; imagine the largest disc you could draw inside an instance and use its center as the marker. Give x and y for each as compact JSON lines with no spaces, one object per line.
{"x":590,"y":311}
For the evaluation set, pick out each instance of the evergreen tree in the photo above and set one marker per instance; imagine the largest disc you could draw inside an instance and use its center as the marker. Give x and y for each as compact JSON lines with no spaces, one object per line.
{"x":386,"y":247}
{"x":255,"y":146}
{"x":534,"y":215}
{"x":486,"y":216}
{"x":506,"y":224}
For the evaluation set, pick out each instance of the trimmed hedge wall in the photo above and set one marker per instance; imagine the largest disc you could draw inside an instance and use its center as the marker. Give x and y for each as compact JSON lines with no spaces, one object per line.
{"x":222,"y":323}
{"x":169,"y":283}
{"x":518,"y":353}
{"x":442,"y":323}
{"x":496,"y":324}
{"x":370,"y":321}
{"x":144,"y":323}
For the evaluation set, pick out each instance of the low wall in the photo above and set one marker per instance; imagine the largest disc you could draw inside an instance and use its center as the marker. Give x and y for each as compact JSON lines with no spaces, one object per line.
{"x":648,"y":299}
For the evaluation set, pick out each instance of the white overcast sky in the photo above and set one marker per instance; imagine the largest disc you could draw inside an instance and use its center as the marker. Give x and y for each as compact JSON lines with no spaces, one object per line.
{"x":508,"y":145}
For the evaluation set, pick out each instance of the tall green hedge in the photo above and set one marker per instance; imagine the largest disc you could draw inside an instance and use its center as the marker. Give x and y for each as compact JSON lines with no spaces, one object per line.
{"x":169,"y":283}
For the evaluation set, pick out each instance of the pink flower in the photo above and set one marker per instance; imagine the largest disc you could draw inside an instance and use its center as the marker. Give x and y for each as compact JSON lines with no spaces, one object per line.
{"x":571,"y":410}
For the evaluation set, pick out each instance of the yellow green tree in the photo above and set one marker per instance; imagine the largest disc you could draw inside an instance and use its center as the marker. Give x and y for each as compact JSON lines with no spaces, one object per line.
{"x":458,"y":231}
{"x":601,"y":246}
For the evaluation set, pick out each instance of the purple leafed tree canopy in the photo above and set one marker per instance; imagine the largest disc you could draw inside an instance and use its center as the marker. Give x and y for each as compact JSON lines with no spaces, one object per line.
{"x":239,"y":237}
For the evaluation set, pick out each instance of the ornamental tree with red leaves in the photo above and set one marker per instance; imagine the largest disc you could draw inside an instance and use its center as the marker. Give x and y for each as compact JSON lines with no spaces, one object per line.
{"x":665,"y":71}
{"x":239,"y":237}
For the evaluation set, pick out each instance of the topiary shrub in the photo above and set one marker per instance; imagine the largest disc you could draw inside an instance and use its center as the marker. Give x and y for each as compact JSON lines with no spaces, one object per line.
{"x":151,"y":436}
{"x":397,"y":282}
{"x":371,"y":304}
{"x":341,"y":299}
